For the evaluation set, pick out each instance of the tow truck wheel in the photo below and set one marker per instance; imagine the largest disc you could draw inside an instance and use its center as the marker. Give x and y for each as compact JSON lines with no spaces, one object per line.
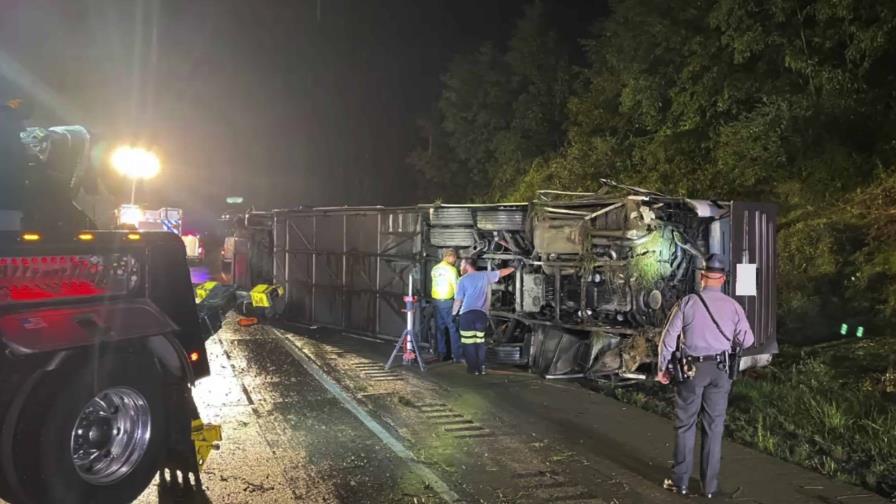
{"x":97,"y":436}
{"x":111,"y":435}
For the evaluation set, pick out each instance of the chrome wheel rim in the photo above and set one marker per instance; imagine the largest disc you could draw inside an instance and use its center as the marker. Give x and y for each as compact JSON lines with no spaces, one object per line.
{"x":111,"y":435}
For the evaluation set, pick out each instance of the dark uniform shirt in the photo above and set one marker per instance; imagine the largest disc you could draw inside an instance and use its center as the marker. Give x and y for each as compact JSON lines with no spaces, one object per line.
{"x":701,"y":337}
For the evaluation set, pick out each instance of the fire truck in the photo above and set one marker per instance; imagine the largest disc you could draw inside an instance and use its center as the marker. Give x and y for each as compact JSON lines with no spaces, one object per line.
{"x":100,"y":341}
{"x":130,"y":216}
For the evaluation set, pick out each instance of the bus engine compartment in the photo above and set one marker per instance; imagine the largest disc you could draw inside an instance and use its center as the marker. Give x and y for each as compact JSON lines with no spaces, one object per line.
{"x":601,"y":273}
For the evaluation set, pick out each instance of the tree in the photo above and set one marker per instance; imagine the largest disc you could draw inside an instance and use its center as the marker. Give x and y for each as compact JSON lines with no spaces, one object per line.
{"x":501,"y":110}
{"x":792,"y":101}
{"x":475,"y":109}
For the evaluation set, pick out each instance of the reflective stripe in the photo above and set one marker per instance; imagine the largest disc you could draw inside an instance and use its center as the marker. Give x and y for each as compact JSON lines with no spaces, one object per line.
{"x":472,"y":337}
{"x":444,"y":281}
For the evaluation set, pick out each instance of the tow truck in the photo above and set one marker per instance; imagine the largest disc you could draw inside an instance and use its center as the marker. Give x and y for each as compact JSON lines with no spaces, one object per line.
{"x":100,"y":341}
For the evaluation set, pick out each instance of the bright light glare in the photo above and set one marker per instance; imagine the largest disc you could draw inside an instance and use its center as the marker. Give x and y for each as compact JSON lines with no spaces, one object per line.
{"x":130,"y":214}
{"x":135,"y":162}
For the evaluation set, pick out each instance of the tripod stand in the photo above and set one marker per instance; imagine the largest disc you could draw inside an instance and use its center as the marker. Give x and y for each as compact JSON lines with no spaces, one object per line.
{"x":407,"y":344}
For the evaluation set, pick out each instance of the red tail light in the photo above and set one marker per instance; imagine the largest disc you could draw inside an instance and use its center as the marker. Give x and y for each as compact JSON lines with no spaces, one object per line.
{"x":39,"y":278}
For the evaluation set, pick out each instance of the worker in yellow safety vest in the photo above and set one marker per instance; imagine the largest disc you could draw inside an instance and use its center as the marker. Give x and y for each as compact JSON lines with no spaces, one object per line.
{"x":444,"y":284}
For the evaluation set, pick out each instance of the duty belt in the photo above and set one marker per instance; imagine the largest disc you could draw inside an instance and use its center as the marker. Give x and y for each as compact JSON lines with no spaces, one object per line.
{"x":727,"y":362}
{"x":705,"y":358}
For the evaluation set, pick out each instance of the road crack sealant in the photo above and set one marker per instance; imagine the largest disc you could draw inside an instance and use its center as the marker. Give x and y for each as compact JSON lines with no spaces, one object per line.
{"x":429,"y":477}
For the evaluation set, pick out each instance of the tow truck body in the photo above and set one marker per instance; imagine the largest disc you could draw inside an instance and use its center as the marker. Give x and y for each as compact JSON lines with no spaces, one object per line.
{"x":100,"y":340}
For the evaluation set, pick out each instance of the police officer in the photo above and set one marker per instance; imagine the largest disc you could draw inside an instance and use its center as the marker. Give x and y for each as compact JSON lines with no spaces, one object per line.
{"x":444,"y":284}
{"x":710,"y":324}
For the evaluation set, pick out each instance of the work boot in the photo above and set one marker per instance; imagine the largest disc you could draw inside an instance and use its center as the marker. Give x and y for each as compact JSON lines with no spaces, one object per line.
{"x":668,"y":484}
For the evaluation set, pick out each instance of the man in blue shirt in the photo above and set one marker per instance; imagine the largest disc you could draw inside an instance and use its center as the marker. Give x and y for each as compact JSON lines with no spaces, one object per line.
{"x":472,"y":300}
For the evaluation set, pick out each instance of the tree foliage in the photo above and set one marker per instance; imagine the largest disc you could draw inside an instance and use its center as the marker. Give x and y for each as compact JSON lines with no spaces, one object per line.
{"x":501,"y":109}
{"x":789,"y":101}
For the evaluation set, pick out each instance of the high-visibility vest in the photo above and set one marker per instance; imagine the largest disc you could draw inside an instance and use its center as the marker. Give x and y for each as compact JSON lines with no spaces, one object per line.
{"x":444,"y":281}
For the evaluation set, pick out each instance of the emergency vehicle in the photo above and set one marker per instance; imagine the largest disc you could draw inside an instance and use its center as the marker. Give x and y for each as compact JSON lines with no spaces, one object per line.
{"x":129,"y":216}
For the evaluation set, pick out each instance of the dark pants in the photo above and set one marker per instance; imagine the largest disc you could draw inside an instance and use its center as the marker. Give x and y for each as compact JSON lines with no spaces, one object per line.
{"x":445,"y":321}
{"x":705,"y":394}
{"x":472,"y":337}
{"x":474,"y":354}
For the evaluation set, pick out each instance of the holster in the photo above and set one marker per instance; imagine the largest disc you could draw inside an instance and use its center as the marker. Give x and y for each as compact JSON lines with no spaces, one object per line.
{"x":680,"y":367}
{"x":734,"y":363}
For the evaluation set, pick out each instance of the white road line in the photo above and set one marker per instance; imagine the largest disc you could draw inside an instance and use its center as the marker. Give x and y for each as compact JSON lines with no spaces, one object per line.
{"x":358,"y":336}
{"x":395,"y":445}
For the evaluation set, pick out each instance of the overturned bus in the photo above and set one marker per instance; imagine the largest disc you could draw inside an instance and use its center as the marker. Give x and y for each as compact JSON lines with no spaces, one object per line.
{"x":601,"y":271}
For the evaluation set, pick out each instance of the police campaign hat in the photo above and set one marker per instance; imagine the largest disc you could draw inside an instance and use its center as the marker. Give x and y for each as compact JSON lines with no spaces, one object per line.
{"x":716,"y":263}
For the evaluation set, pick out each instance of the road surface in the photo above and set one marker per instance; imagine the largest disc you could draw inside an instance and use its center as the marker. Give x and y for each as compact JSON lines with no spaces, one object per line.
{"x":311,"y":416}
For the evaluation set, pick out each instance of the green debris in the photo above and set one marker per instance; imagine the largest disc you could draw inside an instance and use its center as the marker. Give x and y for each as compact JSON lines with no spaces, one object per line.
{"x":652,"y":261}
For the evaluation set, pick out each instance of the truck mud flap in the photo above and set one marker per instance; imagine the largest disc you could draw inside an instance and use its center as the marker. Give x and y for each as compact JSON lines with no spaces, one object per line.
{"x":179,"y":470}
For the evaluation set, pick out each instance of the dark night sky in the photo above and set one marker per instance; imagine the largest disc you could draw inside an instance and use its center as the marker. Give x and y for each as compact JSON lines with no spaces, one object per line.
{"x":260,"y":99}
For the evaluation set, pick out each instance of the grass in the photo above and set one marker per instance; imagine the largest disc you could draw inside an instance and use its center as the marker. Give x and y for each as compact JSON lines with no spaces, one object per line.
{"x":826,"y":408}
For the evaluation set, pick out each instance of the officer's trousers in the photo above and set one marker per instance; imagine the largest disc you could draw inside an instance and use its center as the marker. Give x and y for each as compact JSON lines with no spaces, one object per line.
{"x":705,"y":394}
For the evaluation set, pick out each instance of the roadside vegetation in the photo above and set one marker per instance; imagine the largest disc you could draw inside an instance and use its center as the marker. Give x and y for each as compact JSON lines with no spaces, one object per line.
{"x":830,"y":408}
{"x":789,"y":101}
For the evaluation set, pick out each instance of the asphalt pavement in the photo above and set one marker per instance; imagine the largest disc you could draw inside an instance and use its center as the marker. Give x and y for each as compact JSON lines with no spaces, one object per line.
{"x":312,"y":416}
